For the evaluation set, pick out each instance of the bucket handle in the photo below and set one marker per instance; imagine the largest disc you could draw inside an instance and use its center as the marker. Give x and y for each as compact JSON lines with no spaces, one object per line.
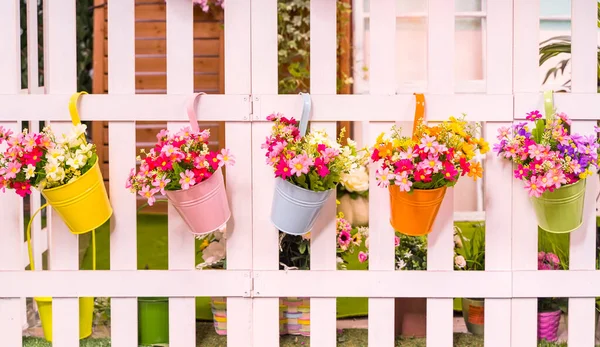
{"x":73,"y":110}
{"x":549,"y":105}
{"x":191,"y":111}
{"x":306,"y":107}
{"x":419,"y":113}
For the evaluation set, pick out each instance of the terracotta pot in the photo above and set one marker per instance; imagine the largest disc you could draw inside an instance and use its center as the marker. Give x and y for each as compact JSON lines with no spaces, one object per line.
{"x":411,"y":317}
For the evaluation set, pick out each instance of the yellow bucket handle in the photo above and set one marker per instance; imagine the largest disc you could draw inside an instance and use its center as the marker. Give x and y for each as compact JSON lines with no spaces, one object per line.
{"x":30,"y":249}
{"x":74,"y":112}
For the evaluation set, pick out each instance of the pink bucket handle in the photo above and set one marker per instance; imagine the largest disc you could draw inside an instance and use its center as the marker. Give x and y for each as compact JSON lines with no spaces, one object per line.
{"x":191,"y":111}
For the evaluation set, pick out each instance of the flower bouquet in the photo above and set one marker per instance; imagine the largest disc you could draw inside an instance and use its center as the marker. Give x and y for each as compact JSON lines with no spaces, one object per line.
{"x":307,"y":170}
{"x":417,"y":170}
{"x":549,"y":309}
{"x":553,"y":164}
{"x":182,"y":167}
{"x":64,"y":168}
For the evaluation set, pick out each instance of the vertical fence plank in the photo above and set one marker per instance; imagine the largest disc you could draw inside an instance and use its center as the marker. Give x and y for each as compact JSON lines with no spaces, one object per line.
{"x":583,"y":241}
{"x":524,"y":226}
{"x":11,"y":206}
{"x":381,"y":234}
{"x":180,"y":74}
{"x":440,"y":242}
{"x":61,"y":78}
{"x":239,"y":177}
{"x":323,"y":59}
{"x":498,"y":172}
{"x":265,"y":236}
{"x":498,"y":188}
{"x":123,"y":244}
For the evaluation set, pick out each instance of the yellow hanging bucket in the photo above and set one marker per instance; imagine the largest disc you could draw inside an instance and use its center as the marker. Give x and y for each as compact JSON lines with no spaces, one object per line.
{"x":82,"y":204}
{"x":86,"y":315}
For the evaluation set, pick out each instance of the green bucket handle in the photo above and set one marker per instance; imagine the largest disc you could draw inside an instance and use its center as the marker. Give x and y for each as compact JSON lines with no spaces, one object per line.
{"x":549,"y":105}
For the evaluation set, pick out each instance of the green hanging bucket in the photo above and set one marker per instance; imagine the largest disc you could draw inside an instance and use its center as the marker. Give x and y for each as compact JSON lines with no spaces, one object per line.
{"x":153,"y":321}
{"x":561,"y":211}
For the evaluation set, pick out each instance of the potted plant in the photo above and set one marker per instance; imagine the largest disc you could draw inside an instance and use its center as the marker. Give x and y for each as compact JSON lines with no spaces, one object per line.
{"x":353,"y":195}
{"x":294,"y":313}
{"x":470,"y":255}
{"x":65,"y":169}
{"x":182,"y":167}
{"x":411,"y":313}
{"x":549,"y":309}
{"x":153,"y":320}
{"x":418,"y":169}
{"x":307,"y":169}
{"x":553,"y":164}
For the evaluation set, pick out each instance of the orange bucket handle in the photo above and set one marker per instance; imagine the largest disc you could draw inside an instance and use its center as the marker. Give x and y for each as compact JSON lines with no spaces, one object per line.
{"x":419,"y":113}
{"x":191,"y":111}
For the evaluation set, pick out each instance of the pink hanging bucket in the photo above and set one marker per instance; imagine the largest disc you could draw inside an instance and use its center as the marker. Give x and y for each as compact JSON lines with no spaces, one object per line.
{"x":548,"y":325}
{"x":204,"y":207}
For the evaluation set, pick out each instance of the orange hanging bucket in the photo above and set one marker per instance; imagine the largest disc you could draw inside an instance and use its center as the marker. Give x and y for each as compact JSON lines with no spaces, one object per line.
{"x":413,"y":213}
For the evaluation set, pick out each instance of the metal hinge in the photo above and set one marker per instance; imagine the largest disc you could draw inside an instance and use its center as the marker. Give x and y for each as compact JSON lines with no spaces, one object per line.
{"x":249,"y":292}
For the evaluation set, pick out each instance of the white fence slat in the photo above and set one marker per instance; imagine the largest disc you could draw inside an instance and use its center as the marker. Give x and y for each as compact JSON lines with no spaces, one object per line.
{"x":60,"y":77}
{"x":381,"y":250}
{"x":582,"y":322}
{"x":440,"y":46}
{"x":323,"y":61}
{"x":264,"y":235}
{"x":382,"y":69}
{"x":526,"y":24}
{"x":498,"y":28}
{"x":498,"y":188}
{"x":239,"y":177}
{"x":584,"y":46}
{"x":123,"y":237}
{"x":11,"y":206}
{"x":524,"y":226}
{"x":180,"y":73}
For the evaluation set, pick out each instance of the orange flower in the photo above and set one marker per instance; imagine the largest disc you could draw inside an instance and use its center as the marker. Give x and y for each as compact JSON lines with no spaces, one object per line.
{"x":385,"y":149}
{"x":475,"y":171}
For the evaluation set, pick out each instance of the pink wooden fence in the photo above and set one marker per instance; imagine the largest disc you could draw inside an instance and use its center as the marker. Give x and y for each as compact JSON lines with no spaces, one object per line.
{"x":252,"y":281}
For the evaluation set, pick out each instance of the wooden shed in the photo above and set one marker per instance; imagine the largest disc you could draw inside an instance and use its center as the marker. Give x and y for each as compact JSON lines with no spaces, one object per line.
{"x":151,"y":68}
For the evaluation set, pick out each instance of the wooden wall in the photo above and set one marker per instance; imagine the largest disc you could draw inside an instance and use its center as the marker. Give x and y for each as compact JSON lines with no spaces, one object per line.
{"x":151,"y":65}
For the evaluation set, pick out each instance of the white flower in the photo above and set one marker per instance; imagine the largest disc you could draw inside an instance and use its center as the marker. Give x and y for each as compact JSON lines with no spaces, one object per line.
{"x":357,"y":180}
{"x":85,"y":149}
{"x":460,"y":261}
{"x":214,"y":252}
{"x":401,"y":264}
{"x":54,"y":172}
{"x":56,"y":154}
{"x":29,"y":171}
{"x":78,"y":130}
{"x":77,"y":161}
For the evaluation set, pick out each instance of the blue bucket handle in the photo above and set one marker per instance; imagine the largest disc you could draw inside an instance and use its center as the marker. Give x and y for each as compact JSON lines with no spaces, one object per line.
{"x":306,"y":106}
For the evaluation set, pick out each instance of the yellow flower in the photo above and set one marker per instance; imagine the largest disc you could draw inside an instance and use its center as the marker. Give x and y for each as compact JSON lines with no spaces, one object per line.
{"x":469,"y":150}
{"x":204,"y":244}
{"x":484,"y":147}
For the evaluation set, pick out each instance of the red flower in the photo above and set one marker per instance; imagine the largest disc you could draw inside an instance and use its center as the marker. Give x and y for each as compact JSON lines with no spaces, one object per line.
{"x":321,"y":167}
{"x":201,"y":174}
{"x":404,"y":165}
{"x":321,"y":147}
{"x":213,"y":160}
{"x":33,"y":157}
{"x":164,"y":163}
{"x":375,"y":155}
{"x":283,"y":169}
{"x":449,"y":171}
{"x":464,"y":165}
{"x":423,"y":176}
{"x":22,"y":188}
{"x":150,"y":162}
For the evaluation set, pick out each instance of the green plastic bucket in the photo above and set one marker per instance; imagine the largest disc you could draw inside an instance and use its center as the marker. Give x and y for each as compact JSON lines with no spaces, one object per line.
{"x":561,"y":211}
{"x":153,"y":321}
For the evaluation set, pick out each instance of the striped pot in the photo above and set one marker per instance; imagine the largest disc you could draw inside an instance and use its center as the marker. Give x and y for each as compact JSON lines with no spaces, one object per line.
{"x":548,"y":325}
{"x":294,"y":316}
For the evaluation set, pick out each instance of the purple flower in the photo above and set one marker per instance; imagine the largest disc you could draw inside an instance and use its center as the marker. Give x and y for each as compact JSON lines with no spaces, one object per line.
{"x":499,"y":147}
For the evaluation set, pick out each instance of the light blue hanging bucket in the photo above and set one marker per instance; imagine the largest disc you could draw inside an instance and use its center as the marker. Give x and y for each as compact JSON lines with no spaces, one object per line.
{"x":295,"y":209}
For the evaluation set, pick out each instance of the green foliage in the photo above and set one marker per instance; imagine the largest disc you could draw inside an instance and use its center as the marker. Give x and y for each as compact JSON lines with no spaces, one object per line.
{"x":471,"y":249}
{"x":411,"y":253}
{"x":557,"y":45}
{"x":293,"y":37}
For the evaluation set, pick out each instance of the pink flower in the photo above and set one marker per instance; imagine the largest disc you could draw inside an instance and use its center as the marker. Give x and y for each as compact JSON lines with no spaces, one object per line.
{"x":29,"y":142}
{"x":429,"y":144}
{"x":278,"y":148}
{"x":534,"y":187}
{"x":187,"y":179}
{"x":300,"y":164}
{"x":225,"y":158}
{"x":383,"y":176}
{"x":534,"y":115}
{"x":556,"y":178}
{"x":12,"y":170}
{"x":563,"y":116}
{"x":329,"y":154}
{"x":537,"y":152}
{"x":521,"y":172}
{"x":396,"y":241}
{"x":344,"y":239}
{"x":22,"y":188}
{"x":321,"y":167}
{"x":403,"y":182}
{"x":148,"y":193}
{"x":161,"y":183}
{"x":362,"y":256}
{"x":283,"y":170}
{"x":503,"y":132}
{"x":162,"y":135}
